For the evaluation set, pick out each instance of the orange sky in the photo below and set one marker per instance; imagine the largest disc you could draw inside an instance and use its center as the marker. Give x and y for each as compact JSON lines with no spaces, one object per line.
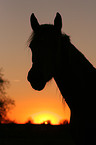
{"x":79,"y":21}
{"x":48,"y":100}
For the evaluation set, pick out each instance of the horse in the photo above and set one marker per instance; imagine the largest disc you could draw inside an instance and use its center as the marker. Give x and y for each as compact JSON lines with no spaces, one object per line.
{"x":54,"y":56}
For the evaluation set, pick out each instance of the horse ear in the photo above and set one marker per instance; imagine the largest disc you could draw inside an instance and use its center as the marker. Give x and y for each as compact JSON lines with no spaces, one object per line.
{"x":34,"y":22}
{"x":58,"y":22}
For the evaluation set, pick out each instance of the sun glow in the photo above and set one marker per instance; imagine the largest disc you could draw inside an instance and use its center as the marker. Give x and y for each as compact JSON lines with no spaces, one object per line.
{"x":46,"y":117}
{"x":46,"y":122}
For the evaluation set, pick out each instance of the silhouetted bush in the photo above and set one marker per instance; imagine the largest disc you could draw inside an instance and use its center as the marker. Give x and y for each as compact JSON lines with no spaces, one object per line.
{"x":29,"y":122}
{"x":5,"y":102}
{"x":64,"y":122}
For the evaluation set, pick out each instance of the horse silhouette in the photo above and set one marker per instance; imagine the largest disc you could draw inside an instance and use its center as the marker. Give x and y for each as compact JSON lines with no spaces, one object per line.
{"x":54,"y":56}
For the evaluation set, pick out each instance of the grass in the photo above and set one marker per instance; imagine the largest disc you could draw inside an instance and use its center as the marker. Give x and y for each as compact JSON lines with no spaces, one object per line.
{"x":15,"y":134}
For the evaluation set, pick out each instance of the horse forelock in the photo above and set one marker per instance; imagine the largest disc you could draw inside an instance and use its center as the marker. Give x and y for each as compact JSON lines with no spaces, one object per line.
{"x":30,"y":38}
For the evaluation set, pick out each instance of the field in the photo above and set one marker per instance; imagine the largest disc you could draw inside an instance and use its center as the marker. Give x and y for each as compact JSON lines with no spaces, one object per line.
{"x":20,"y":134}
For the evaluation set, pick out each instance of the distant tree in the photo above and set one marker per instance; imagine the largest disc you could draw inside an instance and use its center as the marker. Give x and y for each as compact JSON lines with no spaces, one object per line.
{"x":30,"y":121}
{"x":5,"y":102}
{"x":47,"y":122}
{"x":64,"y":122}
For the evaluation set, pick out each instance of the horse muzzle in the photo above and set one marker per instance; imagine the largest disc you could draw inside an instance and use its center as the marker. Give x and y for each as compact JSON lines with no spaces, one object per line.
{"x":36,"y":80}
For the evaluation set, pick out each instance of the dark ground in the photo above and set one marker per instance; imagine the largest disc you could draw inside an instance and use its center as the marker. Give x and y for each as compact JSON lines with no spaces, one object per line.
{"x":20,"y":134}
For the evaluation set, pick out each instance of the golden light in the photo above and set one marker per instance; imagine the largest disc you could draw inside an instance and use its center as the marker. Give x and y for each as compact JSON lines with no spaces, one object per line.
{"x":46,"y":122}
{"x":45,"y":116}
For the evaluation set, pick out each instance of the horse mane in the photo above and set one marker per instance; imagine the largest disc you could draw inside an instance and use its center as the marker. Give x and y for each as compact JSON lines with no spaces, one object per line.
{"x":76,"y":59}
{"x":66,"y":38}
{"x":30,"y":38}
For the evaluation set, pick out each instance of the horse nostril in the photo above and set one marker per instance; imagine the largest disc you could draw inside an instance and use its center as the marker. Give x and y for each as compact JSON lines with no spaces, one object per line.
{"x":28,"y":76}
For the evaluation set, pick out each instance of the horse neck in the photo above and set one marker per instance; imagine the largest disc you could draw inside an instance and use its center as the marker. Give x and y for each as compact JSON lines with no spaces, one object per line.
{"x":72,"y":68}
{"x":61,"y":69}
{"x":60,"y":78}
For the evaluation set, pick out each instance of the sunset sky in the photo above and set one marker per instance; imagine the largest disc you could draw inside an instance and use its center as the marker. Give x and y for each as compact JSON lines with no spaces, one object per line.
{"x":79,"y":21}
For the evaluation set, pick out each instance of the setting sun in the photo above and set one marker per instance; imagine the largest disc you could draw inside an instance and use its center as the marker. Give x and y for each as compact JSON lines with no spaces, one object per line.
{"x":45,"y":117}
{"x":46,"y":122}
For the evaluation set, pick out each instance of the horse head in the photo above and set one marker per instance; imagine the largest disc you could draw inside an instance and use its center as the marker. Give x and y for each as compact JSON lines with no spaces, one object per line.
{"x":43,"y":44}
